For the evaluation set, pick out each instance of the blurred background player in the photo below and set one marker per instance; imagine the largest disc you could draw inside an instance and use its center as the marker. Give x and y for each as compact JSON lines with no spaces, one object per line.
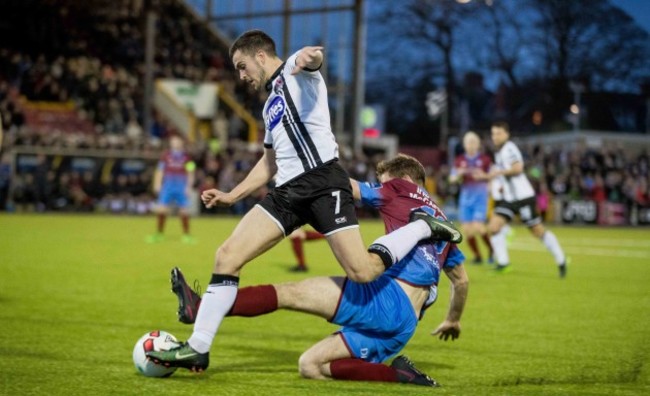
{"x":173,"y":182}
{"x":518,"y":199}
{"x":473,"y":199}
{"x":496,"y":193}
{"x":298,"y":238}
{"x":379,"y":317}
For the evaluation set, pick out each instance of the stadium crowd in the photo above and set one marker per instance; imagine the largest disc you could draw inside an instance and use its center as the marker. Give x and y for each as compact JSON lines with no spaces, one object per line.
{"x":96,"y":59}
{"x":98,"y":65}
{"x":600,"y":175}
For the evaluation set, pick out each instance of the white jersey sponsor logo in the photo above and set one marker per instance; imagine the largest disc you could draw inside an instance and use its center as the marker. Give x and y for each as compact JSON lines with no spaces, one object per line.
{"x":297,"y":121}
{"x":274,"y":112}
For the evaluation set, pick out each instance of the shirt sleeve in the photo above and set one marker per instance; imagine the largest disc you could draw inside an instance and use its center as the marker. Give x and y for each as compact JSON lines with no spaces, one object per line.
{"x":291,"y":64}
{"x":268,"y":138}
{"x":454,"y":257}
{"x":513,"y":154}
{"x":372,"y":194}
{"x":457,"y":163}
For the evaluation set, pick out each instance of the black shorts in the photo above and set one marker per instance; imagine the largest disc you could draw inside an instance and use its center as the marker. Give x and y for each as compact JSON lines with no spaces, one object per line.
{"x":526,"y":209}
{"x":321,"y":198}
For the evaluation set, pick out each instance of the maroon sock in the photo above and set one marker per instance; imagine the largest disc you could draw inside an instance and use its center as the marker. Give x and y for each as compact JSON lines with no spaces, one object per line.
{"x":358,"y":370}
{"x":486,"y":240}
{"x":255,"y":301}
{"x":185,"y":221}
{"x":296,"y":244}
{"x":313,"y":235}
{"x":161,"y":222}
{"x":471,"y":241}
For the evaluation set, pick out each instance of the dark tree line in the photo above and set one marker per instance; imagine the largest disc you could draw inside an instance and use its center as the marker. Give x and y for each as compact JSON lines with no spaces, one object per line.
{"x":531,"y":52}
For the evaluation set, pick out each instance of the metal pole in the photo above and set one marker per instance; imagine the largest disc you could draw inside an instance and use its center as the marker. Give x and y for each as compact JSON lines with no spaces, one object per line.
{"x":647,"y":116}
{"x":150,"y":36}
{"x":444,"y":121}
{"x":339,"y":120}
{"x":286,"y":38}
{"x":208,"y":11}
{"x":576,"y":100}
{"x":359,"y":72}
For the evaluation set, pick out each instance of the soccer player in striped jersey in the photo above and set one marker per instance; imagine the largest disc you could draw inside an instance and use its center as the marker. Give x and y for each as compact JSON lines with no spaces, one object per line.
{"x":379,"y":317}
{"x":311,"y":188}
{"x":173,"y":182}
{"x":518,"y":199}
{"x":473,"y":199}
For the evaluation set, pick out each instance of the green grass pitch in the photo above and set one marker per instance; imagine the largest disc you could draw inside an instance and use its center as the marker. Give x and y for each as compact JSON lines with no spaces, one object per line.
{"x":76,"y":292}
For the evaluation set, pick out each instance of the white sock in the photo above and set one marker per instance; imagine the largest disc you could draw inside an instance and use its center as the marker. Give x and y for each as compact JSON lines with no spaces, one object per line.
{"x":216,"y":303}
{"x":506,"y":230}
{"x":500,"y":247}
{"x":401,"y":241}
{"x":551,"y":243}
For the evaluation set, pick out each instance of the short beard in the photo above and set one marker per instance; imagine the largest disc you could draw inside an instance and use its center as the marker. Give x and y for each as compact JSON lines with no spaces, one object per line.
{"x":261,"y":75}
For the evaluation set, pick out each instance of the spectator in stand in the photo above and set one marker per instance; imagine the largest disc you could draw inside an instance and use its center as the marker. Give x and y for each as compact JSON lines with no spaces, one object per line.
{"x":542,"y":200}
{"x":5,"y":177}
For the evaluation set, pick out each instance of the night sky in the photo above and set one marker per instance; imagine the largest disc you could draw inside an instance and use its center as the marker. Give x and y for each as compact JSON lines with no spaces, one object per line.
{"x":638,"y":9}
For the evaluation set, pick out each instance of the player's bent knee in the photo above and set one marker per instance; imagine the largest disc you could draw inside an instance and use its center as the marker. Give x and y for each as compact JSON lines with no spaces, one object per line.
{"x":308,"y":367}
{"x":364,"y":275}
{"x":226,"y":260}
{"x":493,"y":229}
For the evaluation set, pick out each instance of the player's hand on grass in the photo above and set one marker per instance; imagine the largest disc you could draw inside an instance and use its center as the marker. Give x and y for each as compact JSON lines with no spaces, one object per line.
{"x":308,"y":58}
{"x":214,"y":197}
{"x":447,"y":329}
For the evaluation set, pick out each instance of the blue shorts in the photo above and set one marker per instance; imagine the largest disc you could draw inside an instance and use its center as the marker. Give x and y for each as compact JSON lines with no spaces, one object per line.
{"x":377,"y":318}
{"x":175,"y":196}
{"x":472,"y":207}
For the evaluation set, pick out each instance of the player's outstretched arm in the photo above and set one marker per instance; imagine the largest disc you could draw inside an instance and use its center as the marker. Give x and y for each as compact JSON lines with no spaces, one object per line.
{"x":514,"y":170}
{"x":356,"y":191}
{"x":450,"y":328}
{"x":157,"y":180}
{"x":261,"y":173}
{"x":310,"y":58}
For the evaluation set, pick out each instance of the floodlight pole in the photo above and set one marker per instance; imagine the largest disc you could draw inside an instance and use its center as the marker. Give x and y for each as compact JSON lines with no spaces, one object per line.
{"x":150,"y":35}
{"x":359,"y":73}
{"x":286,"y":34}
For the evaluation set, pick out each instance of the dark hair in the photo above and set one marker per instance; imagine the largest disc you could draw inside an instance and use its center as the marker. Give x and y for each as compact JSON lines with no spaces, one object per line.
{"x":403,"y":165}
{"x":501,"y":124}
{"x":252,"y":41}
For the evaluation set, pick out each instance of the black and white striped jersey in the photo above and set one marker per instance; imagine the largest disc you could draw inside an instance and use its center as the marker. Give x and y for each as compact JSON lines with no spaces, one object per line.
{"x":515,"y":188}
{"x":297,"y":121}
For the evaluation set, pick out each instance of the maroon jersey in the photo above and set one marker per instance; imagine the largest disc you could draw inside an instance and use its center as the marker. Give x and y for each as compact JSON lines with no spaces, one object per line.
{"x":174,"y":165}
{"x":479,"y":161}
{"x":395,"y":199}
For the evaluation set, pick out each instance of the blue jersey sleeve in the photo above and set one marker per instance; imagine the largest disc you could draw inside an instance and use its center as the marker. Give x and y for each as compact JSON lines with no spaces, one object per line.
{"x":371,"y":194}
{"x":454,"y":257}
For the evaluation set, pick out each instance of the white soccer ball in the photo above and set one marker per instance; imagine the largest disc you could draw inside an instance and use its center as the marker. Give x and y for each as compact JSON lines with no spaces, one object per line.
{"x":157,"y":340}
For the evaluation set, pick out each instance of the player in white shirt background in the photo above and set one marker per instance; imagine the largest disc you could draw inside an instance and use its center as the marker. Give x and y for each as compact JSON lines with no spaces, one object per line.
{"x":518,"y":198}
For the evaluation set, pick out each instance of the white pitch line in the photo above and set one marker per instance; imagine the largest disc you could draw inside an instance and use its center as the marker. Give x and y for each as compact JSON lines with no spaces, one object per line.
{"x":577,"y":250}
{"x":632,"y":243}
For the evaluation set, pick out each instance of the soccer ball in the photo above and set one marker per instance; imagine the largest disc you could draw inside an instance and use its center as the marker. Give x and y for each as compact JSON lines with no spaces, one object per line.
{"x":157,"y":340}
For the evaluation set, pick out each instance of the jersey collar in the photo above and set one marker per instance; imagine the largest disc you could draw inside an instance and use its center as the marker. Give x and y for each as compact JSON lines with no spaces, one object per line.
{"x":269,"y":82}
